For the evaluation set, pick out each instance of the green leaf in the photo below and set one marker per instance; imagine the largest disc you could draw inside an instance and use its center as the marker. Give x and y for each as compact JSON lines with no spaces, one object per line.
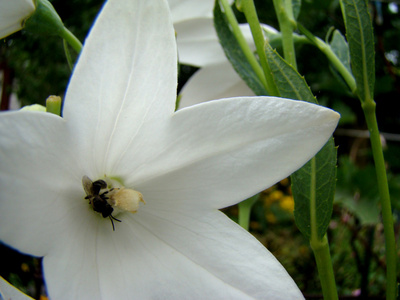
{"x":313,"y":195}
{"x":234,"y":53}
{"x":313,"y":185}
{"x":296,"y":4}
{"x":361,"y":43}
{"x":288,"y":81}
{"x":340,"y":47}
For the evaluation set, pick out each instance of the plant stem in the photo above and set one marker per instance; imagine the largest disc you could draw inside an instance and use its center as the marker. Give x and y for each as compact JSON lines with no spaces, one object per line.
{"x":250,"y":13}
{"x":68,"y":55}
{"x":245,"y":210}
{"x":284,"y":12}
{"x":320,"y":246}
{"x":71,"y":39}
{"x":369,"y":108}
{"x":333,"y":59}
{"x":324,"y":265}
{"x":242,"y":42}
{"x":387,"y":215}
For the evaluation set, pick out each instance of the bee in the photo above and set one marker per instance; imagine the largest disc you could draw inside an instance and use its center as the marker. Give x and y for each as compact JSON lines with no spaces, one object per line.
{"x":99,"y":201}
{"x":105,"y":202}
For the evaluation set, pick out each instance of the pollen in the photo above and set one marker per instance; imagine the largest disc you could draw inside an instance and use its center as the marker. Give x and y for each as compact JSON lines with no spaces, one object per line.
{"x":126,"y":199}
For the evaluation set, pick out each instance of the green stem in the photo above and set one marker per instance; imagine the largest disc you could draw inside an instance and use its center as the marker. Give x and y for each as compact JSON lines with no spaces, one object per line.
{"x":360,"y":36}
{"x":387,"y":215}
{"x":250,"y":13}
{"x":68,"y":55}
{"x":313,"y":200}
{"x":334,"y":60}
{"x":71,"y":39}
{"x":284,"y":12}
{"x":319,"y":246}
{"x":242,"y":42}
{"x":325,"y":270}
{"x":370,"y":116}
{"x":245,"y":210}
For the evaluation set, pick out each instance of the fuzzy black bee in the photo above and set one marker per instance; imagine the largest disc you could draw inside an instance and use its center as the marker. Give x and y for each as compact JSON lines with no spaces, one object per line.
{"x":99,"y":202}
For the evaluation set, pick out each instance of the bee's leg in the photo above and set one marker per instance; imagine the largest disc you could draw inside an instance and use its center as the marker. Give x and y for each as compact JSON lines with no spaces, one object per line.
{"x":115,"y":218}
{"x":112,"y":222}
{"x":110,"y":190}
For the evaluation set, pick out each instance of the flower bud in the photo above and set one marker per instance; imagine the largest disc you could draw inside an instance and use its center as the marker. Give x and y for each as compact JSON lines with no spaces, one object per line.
{"x":44,"y":20}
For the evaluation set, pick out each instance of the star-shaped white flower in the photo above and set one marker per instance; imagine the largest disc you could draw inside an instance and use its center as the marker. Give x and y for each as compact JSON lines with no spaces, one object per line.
{"x":119,"y":125}
{"x":198,"y":46}
{"x":12,"y":15}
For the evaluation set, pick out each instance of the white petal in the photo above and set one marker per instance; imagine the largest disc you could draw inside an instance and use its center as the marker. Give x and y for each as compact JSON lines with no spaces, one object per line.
{"x":12,"y":14}
{"x":213,"y":82}
{"x":189,"y":9}
{"x":220,"y":152}
{"x":7,"y":291}
{"x":75,"y":258}
{"x":198,"y":45}
{"x":39,"y":180}
{"x":167,"y":255}
{"x":198,"y":42}
{"x":125,"y":79}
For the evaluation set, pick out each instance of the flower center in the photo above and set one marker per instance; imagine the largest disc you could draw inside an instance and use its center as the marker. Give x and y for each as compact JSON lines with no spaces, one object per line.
{"x":104,"y":200}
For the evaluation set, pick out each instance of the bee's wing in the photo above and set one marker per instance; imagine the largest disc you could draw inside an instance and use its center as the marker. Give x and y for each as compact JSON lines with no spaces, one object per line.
{"x":87,"y":185}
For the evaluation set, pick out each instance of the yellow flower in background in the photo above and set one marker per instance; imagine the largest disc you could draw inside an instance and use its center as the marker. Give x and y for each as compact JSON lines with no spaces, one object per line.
{"x":270,"y":217}
{"x":287,"y":203}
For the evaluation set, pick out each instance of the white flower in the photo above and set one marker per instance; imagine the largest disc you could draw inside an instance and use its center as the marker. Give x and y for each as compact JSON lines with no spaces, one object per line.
{"x":12,"y":15}
{"x":198,"y":45}
{"x":119,"y":125}
{"x":182,"y":10}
